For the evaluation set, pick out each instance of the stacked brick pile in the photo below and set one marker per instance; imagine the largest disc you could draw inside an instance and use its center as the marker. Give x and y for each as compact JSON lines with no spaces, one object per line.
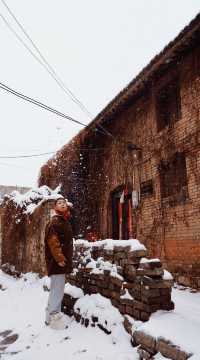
{"x":136,"y":286}
{"x":148,"y":346}
{"x":68,"y":304}
{"x":69,"y":307}
{"x":120,"y":271}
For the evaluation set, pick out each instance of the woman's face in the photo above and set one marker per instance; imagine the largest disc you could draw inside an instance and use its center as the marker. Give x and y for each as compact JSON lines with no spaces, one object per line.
{"x":61,"y":206}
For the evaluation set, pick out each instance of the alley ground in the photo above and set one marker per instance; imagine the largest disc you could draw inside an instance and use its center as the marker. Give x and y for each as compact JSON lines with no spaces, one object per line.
{"x":22,"y":304}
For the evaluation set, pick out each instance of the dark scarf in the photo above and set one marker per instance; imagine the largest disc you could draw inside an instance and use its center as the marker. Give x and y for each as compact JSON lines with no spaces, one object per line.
{"x":64,"y":215}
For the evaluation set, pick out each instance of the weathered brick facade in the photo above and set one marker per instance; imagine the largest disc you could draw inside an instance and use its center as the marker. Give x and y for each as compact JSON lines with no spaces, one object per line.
{"x":22,"y":237}
{"x":160,"y":113}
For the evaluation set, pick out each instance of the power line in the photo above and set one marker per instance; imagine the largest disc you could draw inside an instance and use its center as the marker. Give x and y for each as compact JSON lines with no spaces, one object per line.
{"x":38,"y":103}
{"x":46,"y":64}
{"x":104,"y":131}
{"x":46,"y":107}
{"x":46,"y":153}
{"x":26,"y":156}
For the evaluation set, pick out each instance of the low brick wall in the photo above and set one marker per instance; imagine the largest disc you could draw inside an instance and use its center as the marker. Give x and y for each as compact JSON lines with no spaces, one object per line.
{"x":188,"y":276}
{"x":147,"y":345}
{"x":135,"y":285}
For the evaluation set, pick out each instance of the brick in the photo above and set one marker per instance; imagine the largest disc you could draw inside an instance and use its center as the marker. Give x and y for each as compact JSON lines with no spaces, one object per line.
{"x":136,"y":314}
{"x":114,"y":295}
{"x":157,"y":272}
{"x":167,"y":349}
{"x":148,"y":342}
{"x":128,"y":325}
{"x":106,"y":292}
{"x":115,"y":302}
{"x":143,"y":354}
{"x":157,"y":284}
{"x":116,"y":281}
{"x":126,"y":301}
{"x":150,"y":293}
{"x":122,"y":308}
{"x":129,"y":310}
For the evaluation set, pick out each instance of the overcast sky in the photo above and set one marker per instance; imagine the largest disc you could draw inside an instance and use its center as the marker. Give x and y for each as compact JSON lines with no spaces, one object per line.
{"x":96,"y":46}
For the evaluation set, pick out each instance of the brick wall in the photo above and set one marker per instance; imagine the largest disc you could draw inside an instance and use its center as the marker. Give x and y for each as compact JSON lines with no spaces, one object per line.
{"x":170,"y":230}
{"x":23,"y":237}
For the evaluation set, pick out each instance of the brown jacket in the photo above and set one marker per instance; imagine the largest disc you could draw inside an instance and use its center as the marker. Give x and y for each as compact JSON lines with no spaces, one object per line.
{"x":58,"y":245}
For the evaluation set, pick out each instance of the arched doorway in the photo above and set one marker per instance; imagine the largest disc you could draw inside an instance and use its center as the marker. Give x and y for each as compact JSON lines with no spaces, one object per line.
{"x":122,"y":226}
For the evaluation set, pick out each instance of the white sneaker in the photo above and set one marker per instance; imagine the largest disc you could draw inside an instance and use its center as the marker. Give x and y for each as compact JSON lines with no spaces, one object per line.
{"x":58,"y":321}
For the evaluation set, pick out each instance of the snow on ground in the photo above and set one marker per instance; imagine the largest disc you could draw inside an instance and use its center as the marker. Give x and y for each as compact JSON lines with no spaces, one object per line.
{"x":22,"y":307}
{"x":182,"y":325}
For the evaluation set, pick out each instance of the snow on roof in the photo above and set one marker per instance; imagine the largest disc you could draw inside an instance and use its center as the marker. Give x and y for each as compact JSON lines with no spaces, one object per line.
{"x":33,"y":198}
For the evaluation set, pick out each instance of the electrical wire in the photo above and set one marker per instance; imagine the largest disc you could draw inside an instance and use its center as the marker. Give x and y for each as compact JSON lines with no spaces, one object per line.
{"x":47,"y":65}
{"x":46,"y":153}
{"x":46,"y":107}
{"x":26,"y":156}
{"x":38,"y":103}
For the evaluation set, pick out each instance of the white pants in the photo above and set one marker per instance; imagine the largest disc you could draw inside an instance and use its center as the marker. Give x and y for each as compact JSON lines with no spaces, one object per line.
{"x":55,"y":296}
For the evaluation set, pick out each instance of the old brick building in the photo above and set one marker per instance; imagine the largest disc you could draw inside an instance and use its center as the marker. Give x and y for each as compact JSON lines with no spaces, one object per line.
{"x":152,"y":157}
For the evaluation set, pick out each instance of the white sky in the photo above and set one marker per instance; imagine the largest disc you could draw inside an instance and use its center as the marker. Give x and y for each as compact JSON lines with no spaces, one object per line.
{"x":96,"y":46}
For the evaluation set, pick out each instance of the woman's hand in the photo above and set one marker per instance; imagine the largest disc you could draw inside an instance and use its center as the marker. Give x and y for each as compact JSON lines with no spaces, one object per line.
{"x":62,"y":263}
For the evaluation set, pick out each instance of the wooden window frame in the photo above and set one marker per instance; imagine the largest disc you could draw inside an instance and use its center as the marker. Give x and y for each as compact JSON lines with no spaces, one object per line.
{"x":146,"y":189}
{"x":168,"y":103}
{"x":173,"y":180}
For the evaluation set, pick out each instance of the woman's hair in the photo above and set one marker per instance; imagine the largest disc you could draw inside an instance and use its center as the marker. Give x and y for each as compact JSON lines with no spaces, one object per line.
{"x":69,"y":204}
{"x":60,"y":198}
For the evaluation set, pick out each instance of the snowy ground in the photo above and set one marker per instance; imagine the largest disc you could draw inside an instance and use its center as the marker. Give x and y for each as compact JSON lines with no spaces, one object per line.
{"x":22,"y":311}
{"x":22,"y":305}
{"x":181,"y":326}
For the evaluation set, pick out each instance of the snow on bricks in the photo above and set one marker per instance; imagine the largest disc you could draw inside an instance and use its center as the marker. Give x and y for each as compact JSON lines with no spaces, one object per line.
{"x":150,"y":346}
{"x":97,"y":311}
{"x":120,"y":271}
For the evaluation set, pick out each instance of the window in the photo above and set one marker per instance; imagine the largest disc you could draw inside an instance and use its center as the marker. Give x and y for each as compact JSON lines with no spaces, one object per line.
{"x":168,"y":104}
{"x":146,"y":188}
{"x":173,"y":176}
